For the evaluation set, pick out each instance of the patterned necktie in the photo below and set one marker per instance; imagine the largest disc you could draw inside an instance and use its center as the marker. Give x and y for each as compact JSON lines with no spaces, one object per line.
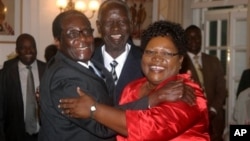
{"x":198,"y":69}
{"x":113,"y":64}
{"x":31,"y":113}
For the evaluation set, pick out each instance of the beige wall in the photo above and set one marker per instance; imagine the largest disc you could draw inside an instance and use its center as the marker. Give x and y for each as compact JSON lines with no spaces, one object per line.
{"x":37,"y":17}
{"x":248,"y":33}
{"x":171,"y":10}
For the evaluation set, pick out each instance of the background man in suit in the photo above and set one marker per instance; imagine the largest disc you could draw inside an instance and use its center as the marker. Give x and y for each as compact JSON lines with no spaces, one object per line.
{"x":113,"y":23}
{"x":211,"y":79}
{"x":209,"y":74}
{"x":244,"y":81}
{"x":15,"y":86}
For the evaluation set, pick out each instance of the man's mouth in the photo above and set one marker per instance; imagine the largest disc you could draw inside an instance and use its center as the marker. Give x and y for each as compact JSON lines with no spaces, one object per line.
{"x":83,"y":48}
{"x":116,"y":37}
{"x":28,"y":55}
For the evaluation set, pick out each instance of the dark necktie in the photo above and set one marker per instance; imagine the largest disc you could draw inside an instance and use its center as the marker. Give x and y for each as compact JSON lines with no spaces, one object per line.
{"x":113,"y":64}
{"x":92,"y":69}
{"x":31,"y":114}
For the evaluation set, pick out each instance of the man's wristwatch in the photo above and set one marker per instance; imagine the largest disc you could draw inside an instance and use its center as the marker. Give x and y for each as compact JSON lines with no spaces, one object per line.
{"x":92,"y":110}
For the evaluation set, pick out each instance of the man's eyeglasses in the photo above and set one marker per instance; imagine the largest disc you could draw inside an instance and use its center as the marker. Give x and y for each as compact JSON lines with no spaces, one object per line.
{"x":164,"y":54}
{"x":75,"y":34}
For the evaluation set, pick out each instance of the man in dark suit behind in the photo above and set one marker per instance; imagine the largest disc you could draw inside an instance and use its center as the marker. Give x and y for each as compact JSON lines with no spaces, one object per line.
{"x":211,"y":79}
{"x":14,"y":82}
{"x":244,"y":81}
{"x":113,"y":23}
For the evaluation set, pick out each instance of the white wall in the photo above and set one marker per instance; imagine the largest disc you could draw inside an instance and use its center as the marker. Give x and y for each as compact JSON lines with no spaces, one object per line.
{"x":248,"y":34}
{"x":37,"y":17}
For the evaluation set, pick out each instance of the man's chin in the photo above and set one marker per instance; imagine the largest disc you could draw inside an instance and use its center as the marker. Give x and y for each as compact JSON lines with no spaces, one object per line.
{"x":27,"y":61}
{"x":83,"y":59}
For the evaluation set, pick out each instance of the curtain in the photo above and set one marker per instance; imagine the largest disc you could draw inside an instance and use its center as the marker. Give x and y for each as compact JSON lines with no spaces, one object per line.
{"x":171,"y":10}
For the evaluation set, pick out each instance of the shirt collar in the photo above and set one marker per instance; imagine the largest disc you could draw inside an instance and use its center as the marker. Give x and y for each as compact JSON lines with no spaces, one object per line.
{"x":120,"y":59}
{"x":86,"y":65}
{"x":191,"y":55}
{"x":23,"y":66}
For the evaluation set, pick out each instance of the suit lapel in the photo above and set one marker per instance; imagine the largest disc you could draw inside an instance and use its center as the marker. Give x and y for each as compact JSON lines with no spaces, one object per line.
{"x":205,"y":68}
{"x":16,"y":79}
{"x":127,"y":71}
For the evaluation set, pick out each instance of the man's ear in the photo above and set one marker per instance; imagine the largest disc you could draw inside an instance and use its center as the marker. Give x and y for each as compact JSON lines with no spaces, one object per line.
{"x":181,"y":59}
{"x":57,"y":43}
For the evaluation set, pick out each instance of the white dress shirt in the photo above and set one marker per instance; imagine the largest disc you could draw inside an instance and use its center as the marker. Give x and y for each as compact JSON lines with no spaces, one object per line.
{"x":120,"y":59}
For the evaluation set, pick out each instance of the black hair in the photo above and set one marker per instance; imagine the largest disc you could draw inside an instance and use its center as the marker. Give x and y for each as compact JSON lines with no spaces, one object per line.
{"x":192,"y":27}
{"x":50,"y":51}
{"x":57,"y":23}
{"x":165,"y":28}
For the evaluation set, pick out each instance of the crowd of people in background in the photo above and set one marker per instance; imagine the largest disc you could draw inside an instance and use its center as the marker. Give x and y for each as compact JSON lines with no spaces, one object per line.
{"x":167,"y":86}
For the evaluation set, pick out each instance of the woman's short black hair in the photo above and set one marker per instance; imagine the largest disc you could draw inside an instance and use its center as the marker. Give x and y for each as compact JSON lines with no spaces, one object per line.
{"x":165,"y":28}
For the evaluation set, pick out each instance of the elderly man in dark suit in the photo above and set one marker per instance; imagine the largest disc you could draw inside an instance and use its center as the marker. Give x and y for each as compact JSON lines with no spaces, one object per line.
{"x":15,"y":90}
{"x":207,"y":71}
{"x":113,"y":23}
{"x":71,"y":68}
